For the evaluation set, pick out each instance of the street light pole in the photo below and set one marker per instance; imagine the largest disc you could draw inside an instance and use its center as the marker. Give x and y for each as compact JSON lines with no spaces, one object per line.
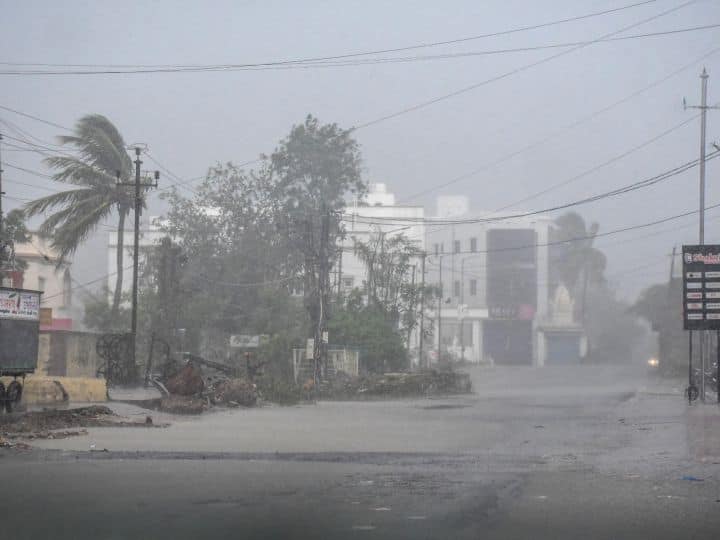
{"x":440,"y":300}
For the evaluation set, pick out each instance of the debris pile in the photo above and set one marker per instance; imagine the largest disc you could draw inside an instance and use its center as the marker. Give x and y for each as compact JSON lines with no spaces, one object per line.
{"x":59,"y":424}
{"x":234,"y":393}
{"x":182,"y":404}
{"x":422,"y":383}
{"x":186,"y":382}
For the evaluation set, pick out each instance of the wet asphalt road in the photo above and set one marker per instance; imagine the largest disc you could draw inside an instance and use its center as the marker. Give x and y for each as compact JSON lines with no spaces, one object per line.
{"x":527,"y":456}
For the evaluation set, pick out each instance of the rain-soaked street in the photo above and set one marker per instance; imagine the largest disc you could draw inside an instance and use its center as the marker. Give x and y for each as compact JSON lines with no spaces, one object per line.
{"x":533,"y":453}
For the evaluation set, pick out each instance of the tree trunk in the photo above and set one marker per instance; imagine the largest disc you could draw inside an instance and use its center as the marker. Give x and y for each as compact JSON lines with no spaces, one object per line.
{"x":119,"y":262}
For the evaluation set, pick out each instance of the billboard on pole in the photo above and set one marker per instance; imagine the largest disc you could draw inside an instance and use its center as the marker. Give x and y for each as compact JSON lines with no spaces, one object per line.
{"x":701,"y":287}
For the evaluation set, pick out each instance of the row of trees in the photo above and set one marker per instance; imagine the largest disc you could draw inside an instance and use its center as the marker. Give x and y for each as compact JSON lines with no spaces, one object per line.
{"x":241,"y":247}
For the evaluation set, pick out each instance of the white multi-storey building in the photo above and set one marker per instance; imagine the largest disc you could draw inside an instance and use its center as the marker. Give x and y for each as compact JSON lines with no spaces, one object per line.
{"x":495,"y":289}
{"x":377,"y":213}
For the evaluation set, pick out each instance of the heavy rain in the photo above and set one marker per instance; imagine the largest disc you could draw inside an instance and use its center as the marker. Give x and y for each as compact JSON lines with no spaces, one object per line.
{"x":377,"y":270}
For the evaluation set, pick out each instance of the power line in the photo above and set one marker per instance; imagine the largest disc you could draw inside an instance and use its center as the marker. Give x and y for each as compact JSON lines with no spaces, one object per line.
{"x":29,"y":171}
{"x":26,"y":115}
{"x":114,"y":69}
{"x":598,"y":235}
{"x":487,"y":219}
{"x":379,"y":51}
{"x":530,"y":246}
{"x":31,"y":185}
{"x":515,"y":71}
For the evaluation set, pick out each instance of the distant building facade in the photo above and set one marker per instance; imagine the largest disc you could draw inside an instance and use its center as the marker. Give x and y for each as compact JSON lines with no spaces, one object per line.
{"x":494,"y":286}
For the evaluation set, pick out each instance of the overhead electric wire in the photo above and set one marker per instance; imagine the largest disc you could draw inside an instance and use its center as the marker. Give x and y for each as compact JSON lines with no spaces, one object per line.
{"x":530,"y":246}
{"x":517,"y":70}
{"x":379,"y":220}
{"x":325,"y":64}
{"x":394,"y":49}
{"x":37,"y":119}
{"x":598,"y":235}
{"x":454,"y":180}
{"x":563,"y":129}
{"x":44,"y":188}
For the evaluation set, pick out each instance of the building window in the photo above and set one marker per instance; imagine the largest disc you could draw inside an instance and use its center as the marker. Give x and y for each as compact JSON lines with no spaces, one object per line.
{"x":456,"y":288}
{"x":348,"y":282}
{"x":41,"y":284}
{"x":456,"y":246}
{"x":437,"y":249}
{"x":442,"y":248}
{"x":473,"y":287}
{"x":473,"y":245}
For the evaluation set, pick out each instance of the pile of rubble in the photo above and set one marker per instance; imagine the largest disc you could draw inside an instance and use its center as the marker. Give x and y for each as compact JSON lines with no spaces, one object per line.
{"x":63,"y":423}
{"x":192,"y":393}
{"x":392,"y":385}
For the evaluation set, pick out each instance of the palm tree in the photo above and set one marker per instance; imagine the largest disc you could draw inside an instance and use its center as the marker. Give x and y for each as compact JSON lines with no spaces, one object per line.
{"x":100,"y":162}
{"x":575,"y":260}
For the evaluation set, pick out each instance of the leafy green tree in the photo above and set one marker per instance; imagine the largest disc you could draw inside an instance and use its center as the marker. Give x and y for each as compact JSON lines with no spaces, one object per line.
{"x":316,"y":165}
{"x":388,"y":286}
{"x":95,"y":196}
{"x":372,"y":330}
{"x":239,"y":266}
{"x":13,"y":232}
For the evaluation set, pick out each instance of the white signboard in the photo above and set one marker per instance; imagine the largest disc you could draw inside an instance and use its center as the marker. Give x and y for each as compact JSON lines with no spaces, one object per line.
{"x":244,"y":341}
{"x":19,"y":305}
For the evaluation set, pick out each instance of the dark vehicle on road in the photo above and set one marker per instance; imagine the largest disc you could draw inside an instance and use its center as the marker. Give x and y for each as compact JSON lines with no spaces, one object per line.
{"x":19,"y":334}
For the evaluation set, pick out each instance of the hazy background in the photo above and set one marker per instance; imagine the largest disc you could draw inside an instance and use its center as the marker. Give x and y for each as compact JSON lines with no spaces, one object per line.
{"x":192,"y":120}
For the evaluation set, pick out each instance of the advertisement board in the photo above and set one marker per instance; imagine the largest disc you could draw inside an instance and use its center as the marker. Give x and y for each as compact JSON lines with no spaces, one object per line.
{"x":701,"y":287}
{"x":16,"y":304}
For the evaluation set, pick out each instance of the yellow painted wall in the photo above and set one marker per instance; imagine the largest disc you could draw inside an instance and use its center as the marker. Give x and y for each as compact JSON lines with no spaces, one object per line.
{"x":41,"y":389}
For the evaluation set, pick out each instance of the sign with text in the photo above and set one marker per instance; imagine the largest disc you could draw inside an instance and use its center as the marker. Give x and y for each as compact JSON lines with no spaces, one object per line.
{"x":18,"y":304}
{"x":701,"y":287}
{"x":245,"y":341}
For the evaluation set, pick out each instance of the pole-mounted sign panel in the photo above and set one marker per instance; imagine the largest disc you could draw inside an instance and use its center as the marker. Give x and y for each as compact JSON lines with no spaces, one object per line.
{"x":701,"y":287}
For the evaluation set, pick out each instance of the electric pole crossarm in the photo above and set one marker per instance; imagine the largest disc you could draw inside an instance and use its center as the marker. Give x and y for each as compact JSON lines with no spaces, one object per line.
{"x":136,"y":246}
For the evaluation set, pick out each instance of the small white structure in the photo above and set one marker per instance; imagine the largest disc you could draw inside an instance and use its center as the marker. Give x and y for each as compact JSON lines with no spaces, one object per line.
{"x":561,"y":340}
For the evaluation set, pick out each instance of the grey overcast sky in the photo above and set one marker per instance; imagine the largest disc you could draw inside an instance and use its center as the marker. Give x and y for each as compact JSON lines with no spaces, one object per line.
{"x":193,"y":120}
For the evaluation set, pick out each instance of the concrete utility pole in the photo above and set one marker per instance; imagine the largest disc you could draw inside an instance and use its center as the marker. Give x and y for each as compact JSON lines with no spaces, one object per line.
{"x":136,"y":249}
{"x":136,"y":245}
{"x":422,"y":311}
{"x":440,"y":301}
{"x":703,"y":125}
{"x":412,"y":310}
